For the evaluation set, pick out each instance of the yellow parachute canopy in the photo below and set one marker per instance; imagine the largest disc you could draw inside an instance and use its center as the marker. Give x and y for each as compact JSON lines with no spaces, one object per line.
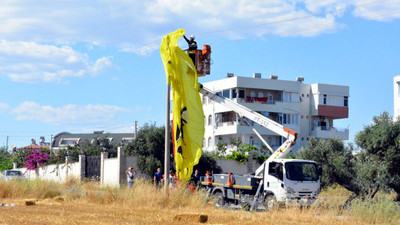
{"x":188,"y":115}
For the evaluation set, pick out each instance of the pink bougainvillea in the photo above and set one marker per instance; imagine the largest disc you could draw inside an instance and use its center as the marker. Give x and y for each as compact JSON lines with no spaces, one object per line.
{"x":35,"y":159}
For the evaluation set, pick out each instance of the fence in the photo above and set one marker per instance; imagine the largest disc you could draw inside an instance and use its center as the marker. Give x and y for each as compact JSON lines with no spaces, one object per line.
{"x":111,"y":171}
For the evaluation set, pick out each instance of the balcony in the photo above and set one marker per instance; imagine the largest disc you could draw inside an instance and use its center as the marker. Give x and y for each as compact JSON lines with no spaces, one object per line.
{"x":266,"y":104}
{"x":233,"y":127}
{"x":326,"y":132}
{"x":335,"y":112}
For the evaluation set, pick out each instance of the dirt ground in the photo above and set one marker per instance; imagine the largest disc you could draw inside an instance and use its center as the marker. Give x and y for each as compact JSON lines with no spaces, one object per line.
{"x":53,"y":212}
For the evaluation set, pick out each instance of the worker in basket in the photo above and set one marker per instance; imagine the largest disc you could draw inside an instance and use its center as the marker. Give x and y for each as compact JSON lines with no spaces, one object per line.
{"x":192,"y":47}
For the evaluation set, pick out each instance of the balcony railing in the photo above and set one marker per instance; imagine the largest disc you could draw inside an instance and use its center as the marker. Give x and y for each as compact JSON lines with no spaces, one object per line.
{"x":225,"y":124}
{"x":328,"y":132}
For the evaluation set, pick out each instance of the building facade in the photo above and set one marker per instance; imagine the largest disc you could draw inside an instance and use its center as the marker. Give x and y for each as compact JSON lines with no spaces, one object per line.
{"x":396,"y":97}
{"x":309,"y":109}
{"x":65,"y":139}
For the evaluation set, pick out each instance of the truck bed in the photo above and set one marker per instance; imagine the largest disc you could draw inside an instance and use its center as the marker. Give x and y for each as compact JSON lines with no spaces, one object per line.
{"x":239,"y":181}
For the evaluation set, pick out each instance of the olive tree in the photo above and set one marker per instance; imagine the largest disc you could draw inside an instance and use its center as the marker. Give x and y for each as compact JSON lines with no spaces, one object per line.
{"x":380,"y":142}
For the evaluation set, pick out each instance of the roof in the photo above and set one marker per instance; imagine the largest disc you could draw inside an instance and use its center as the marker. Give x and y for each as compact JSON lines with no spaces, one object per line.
{"x":116,"y":138}
{"x":33,"y":147}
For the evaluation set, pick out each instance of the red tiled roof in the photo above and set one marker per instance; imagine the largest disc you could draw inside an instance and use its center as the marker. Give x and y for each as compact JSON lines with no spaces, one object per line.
{"x":33,"y":147}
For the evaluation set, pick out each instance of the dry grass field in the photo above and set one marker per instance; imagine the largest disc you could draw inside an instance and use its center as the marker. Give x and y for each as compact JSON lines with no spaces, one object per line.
{"x":88,"y":203}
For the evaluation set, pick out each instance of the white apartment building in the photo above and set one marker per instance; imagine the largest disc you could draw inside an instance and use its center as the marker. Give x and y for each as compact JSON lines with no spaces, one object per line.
{"x":396,"y":97}
{"x":309,"y":109}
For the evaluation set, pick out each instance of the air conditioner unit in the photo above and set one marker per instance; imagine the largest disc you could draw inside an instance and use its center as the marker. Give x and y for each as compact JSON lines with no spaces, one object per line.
{"x":229,"y":75}
{"x":300,"y":79}
{"x":256,"y":75}
{"x":274,"y":77}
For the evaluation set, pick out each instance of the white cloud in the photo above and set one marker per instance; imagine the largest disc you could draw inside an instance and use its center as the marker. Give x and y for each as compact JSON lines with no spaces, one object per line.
{"x":381,"y":11}
{"x":88,"y":115}
{"x":136,"y":22}
{"x":33,"y":62}
{"x":3,"y":107}
{"x":131,"y":25}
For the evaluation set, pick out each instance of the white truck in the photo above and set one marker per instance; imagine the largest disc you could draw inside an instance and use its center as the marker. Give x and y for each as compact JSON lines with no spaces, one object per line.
{"x":277,"y":181}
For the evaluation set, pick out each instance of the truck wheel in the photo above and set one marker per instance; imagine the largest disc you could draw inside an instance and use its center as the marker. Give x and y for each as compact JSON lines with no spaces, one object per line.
{"x":270,"y":202}
{"x":219,"y":200}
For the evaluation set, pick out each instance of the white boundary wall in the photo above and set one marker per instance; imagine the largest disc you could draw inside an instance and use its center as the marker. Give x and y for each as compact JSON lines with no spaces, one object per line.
{"x":110,"y":172}
{"x":58,"y":173}
{"x":113,"y":170}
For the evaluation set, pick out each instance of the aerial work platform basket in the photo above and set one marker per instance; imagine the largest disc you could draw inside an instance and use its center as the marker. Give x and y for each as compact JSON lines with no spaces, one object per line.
{"x":202,"y":60}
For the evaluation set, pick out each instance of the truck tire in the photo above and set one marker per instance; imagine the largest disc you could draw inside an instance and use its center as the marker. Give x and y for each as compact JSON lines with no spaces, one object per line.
{"x":270,"y":202}
{"x":219,"y":200}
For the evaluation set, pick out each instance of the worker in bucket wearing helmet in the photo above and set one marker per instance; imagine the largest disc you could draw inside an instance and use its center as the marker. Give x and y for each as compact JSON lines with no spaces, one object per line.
{"x":192,"y":47}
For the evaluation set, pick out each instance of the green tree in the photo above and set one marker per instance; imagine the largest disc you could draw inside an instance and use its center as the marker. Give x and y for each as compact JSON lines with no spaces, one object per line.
{"x":221,"y":149}
{"x":380,"y":142}
{"x":241,"y":153}
{"x":19,"y":157}
{"x":207,"y":163}
{"x":148,"y":147}
{"x":338,"y":164}
{"x":5,"y":159}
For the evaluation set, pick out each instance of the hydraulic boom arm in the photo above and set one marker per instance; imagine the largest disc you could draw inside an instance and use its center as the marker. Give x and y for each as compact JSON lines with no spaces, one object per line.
{"x":245,"y":112}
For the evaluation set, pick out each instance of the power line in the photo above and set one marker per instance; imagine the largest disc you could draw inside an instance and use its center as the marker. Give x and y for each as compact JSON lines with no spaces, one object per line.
{"x":360,"y":5}
{"x":293,"y":18}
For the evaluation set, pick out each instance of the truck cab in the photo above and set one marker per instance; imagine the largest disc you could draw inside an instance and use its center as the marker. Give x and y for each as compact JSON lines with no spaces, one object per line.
{"x":291,"y":181}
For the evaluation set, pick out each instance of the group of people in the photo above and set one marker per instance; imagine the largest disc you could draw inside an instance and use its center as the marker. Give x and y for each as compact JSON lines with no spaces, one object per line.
{"x":158,"y":178}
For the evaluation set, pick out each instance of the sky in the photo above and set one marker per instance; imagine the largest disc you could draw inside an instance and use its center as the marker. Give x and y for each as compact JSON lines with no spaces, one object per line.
{"x":80,"y":66}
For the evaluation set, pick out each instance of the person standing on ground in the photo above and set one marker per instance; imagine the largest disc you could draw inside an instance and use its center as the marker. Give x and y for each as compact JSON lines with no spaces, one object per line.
{"x":158,"y":177}
{"x":172,"y":179}
{"x":196,"y":177}
{"x":130,"y":177}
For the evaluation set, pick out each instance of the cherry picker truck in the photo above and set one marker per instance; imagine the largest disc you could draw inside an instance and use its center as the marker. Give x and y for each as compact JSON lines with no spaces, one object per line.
{"x":276,"y":182}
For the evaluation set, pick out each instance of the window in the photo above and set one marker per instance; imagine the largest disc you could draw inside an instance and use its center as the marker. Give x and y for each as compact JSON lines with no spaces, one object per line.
{"x":209,"y":120}
{"x":252,"y":94}
{"x":398,"y":88}
{"x":241,"y":93}
{"x":234,"y":93}
{"x":300,"y":171}
{"x":276,"y":170}
{"x":68,"y":141}
{"x":251,"y":141}
{"x":287,"y":97}
{"x":346,"y":101}
{"x":204,"y":142}
{"x":260,"y":94}
{"x":219,"y":93}
{"x":324,"y":99}
{"x":294,"y":119}
{"x":126,"y":140}
{"x":284,"y":118}
{"x":12,"y":173}
{"x":226,"y":93}
{"x":270,"y":98}
{"x":209,"y":142}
